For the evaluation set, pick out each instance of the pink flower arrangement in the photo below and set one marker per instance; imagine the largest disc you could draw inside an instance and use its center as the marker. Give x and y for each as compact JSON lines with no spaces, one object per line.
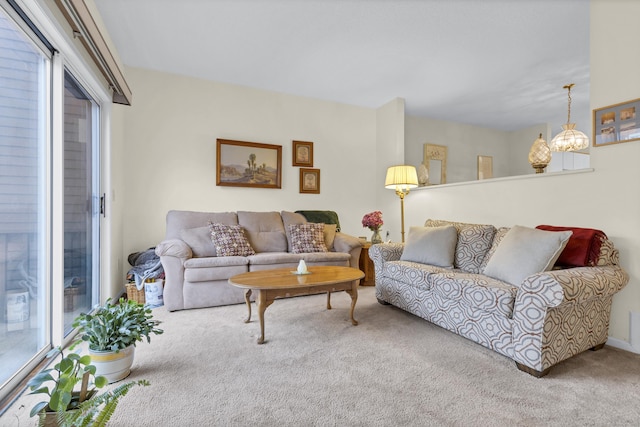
{"x":373,"y":220}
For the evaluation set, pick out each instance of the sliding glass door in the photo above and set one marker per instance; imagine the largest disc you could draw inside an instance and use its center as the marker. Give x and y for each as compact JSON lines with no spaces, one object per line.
{"x":49,"y":187}
{"x":24,"y":203}
{"x":81,"y":207}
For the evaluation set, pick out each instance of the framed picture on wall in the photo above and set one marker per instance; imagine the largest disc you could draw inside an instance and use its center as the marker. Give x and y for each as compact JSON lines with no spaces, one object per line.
{"x":616,"y":123}
{"x":485,"y":167}
{"x":310,"y":181}
{"x":303,"y":153}
{"x":248,"y":164}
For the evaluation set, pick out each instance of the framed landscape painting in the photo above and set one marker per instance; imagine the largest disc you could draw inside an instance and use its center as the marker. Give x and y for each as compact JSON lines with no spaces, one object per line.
{"x":248,"y":164}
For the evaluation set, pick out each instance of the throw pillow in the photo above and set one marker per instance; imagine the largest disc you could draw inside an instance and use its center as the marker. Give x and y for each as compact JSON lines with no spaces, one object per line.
{"x":329,"y":235}
{"x":229,"y":240}
{"x":306,"y":238}
{"x":474,"y":241}
{"x":431,"y":245}
{"x":525,"y":251}
{"x":199,"y":240}
{"x":583,"y":248}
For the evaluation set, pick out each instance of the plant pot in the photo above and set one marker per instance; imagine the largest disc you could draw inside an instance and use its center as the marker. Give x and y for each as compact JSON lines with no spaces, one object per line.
{"x":49,"y":418}
{"x":114,"y":366}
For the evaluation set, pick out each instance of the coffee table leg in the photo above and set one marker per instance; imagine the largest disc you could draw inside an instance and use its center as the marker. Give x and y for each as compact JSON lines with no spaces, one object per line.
{"x":354,"y":297}
{"x":328,"y":300}
{"x":263,"y":303}
{"x":247,"y":296}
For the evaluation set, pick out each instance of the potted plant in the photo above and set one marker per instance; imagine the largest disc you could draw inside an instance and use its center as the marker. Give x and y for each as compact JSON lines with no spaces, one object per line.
{"x":112,"y":332}
{"x":68,"y":406}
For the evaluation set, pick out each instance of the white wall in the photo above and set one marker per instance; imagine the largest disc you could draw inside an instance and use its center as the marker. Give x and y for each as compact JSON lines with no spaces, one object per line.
{"x":466,"y":142}
{"x":390,"y":146}
{"x":169,"y":161}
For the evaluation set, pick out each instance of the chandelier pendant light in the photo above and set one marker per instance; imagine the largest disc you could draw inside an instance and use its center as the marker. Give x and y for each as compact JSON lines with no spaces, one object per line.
{"x":570,"y":139}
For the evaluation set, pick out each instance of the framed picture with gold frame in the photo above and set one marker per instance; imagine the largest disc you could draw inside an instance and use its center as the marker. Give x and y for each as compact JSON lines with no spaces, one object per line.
{"x":616,"y":123}
{"x":309,"y":181}
{"x":248,"y":164}
{"x":303,"y":153}
{"x":485,"y":167}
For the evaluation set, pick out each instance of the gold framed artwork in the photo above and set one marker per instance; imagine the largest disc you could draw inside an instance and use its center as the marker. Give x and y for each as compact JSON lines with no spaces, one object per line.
{"x":435,"y":160}
{"x":616,"y":123}
{"x":303,"y":153}
{"x":485,"y":167}
{"x":248,"y":164}
{"x":309,"y":181}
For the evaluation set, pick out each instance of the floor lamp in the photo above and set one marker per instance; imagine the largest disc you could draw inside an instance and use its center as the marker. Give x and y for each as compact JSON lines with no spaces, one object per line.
{"x":401,"y":178}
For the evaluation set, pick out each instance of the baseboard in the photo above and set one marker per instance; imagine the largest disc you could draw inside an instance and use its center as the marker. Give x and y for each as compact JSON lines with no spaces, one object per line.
{"x":622,"y":345}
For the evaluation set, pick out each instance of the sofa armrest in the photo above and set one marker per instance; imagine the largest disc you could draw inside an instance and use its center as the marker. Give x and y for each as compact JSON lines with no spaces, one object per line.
{"x":174,"y":247}
{"x":384,"y":252}
{"x":553,"y":310}
{"x":172,"y":254}
{"x":348,"y":244}
{"x":574,"y":285}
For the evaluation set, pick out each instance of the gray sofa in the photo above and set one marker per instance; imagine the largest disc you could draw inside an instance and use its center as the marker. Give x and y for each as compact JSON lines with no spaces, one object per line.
{"x":196,"y":277}
{"x":535,"y":318}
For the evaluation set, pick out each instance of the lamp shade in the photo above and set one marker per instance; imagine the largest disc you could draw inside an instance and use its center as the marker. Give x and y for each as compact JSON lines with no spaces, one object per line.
{"x":569,"y":139}
{"x":402,"y":176}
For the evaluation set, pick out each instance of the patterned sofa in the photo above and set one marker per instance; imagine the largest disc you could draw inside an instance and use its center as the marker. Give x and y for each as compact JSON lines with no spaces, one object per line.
{"x":538,"y":321}
{"x":197,"y":270}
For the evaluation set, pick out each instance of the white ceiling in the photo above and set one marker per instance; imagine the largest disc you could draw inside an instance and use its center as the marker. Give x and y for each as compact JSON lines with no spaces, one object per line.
{"x":493,"y":63}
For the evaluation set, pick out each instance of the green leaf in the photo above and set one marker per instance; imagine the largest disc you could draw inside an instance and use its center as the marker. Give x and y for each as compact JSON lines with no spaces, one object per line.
{"x":37,"y":408}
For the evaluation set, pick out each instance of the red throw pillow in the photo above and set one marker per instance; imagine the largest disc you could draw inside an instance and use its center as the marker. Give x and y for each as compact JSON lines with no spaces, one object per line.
{"x":583,"y":248}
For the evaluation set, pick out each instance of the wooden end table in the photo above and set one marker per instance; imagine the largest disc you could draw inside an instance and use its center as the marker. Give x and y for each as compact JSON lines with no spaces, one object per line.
{"x":366,"y":265}
{"x":281,"y":282}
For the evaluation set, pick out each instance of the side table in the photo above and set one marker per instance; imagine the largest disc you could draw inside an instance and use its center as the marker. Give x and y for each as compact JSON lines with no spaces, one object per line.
{"x":366,"y":265}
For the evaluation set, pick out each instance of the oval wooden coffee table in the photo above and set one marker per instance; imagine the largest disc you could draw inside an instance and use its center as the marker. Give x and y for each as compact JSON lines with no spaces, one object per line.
{"x":282,"y":282}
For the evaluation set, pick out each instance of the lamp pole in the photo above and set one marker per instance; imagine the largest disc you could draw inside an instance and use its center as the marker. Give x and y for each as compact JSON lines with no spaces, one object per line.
{"x":401,"y":193}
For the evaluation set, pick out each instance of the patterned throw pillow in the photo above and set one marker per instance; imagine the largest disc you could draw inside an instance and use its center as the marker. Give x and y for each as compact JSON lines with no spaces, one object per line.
{"x":306,"y":238}
{"x":230,"y":240}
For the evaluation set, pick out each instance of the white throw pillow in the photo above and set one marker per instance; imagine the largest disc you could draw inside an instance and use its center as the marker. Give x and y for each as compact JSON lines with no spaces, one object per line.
{"x":525,"y":251}
{"x":431,"y":245}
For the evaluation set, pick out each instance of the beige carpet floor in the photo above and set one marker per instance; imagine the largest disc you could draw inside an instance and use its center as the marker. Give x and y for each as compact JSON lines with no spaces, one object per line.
{"x":393,"y":369}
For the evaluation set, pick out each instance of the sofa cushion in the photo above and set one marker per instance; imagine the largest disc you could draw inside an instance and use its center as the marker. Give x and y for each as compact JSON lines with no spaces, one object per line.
{"x":474,"y":241}
{"x":431,"y":245}
{"x":274,"y":258}
{"x":199,"y":240}
{"x":265,"y":230}
{"x":230,"y":240}
{"x":476,"y":290}
{"x":207,"y":262}
{"x":179,"y":220}
{"x":277,"y":259}
{"x":194,"y":275}
{"x":327,"y":258}
{"x":411,"y":273}
{"x":306,"y":238}
{"x":525,"y":251}
{"x":583,"y":247}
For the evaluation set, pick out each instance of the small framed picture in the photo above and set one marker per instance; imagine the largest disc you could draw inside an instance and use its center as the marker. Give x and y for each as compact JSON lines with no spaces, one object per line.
{"x":616,"y":123}
{"x":303,"y":153}
{"x":485,"y":167}
{"x":310,"y":181}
